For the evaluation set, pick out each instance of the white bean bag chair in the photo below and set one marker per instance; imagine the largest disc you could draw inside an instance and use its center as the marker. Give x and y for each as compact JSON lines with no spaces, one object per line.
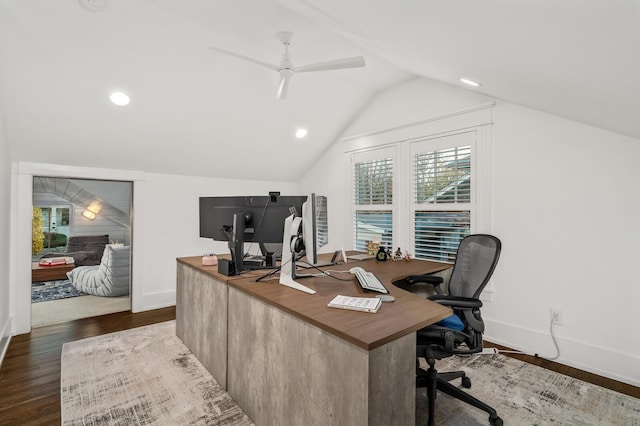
{"x":110,"y":278}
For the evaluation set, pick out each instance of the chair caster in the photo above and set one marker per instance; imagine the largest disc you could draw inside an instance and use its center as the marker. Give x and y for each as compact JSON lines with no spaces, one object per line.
{"x":466,"y":382}
{"x":495,"y":421}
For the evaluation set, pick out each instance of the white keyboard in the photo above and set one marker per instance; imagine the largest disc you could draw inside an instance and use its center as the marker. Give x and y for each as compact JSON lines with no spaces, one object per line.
{"x":367,"y":280}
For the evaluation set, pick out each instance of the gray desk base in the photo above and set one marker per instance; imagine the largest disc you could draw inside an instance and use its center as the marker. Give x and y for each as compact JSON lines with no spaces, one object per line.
{"x":201,"y":319}
{"x":284,"y":371}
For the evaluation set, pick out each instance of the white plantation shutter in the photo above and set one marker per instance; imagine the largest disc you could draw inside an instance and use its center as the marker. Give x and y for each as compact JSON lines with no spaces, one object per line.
{"x":438,"y":233}
{"x":374,"y":182}
{"x":443,"y":176}
{"x":442,"y":195}
{"x":373,"y":187}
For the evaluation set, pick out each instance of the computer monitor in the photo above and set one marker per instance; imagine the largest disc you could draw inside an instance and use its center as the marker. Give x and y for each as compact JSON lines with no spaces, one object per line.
{"x":307,"y":233}
{"x":246,"y":219}
{"x":315,"y":226}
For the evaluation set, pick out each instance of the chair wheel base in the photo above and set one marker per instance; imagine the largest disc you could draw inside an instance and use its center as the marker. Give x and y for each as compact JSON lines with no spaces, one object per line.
{"x":495,"y":421}
{"x":466,"y":382}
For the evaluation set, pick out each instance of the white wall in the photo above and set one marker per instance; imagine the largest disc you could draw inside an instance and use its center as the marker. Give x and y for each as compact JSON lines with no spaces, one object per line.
{"x":165,"y":226}
{"x":5,"y":214}
{"x":564,"y":206}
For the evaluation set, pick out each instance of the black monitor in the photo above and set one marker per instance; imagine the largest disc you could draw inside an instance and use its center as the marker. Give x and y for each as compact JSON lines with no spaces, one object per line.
{"x":253,"y":219}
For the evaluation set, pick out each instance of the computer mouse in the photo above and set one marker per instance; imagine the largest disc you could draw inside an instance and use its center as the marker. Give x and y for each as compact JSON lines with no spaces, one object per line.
{"x":386,"y":297}
{"x":356,"y":269}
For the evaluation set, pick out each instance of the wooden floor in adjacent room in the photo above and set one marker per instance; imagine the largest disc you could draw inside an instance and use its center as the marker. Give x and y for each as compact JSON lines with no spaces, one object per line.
{"x":30,"y":373}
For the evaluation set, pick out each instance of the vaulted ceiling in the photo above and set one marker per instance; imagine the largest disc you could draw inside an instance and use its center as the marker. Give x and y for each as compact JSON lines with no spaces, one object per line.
{"x":197,"y":112}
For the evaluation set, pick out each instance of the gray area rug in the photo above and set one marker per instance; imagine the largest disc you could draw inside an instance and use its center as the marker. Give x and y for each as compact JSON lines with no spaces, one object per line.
{"x":147,"y":376}
{"x":524,"y":394}
{"x":141,"y":376}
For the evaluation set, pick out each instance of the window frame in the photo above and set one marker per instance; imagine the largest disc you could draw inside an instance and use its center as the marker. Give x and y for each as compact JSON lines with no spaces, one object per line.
{"x":438,"y":143}
{"x":376,"y":153}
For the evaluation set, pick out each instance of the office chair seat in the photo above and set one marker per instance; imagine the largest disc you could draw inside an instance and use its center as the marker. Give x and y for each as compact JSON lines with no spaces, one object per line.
{"x":475,"y":262}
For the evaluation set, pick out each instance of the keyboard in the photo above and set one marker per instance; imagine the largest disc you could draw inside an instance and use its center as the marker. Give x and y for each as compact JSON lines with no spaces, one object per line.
{"x":368,"y":281}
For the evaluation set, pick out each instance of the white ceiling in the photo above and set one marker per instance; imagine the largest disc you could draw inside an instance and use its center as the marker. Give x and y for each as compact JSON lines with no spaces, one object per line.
{"x":197,"y":112}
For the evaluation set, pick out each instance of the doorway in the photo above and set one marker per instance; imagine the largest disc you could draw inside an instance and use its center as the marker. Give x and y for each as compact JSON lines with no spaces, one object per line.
{"x":65,"y":211}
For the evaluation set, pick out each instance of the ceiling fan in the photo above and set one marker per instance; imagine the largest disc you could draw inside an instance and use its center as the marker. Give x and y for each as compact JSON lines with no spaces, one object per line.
{"x":286,"y":68}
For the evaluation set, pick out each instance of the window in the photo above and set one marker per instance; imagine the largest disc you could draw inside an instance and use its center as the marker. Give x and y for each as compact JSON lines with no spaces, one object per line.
{"x":436,"y":175}
{"x":373,"y":188}
{"x":442,"y":195}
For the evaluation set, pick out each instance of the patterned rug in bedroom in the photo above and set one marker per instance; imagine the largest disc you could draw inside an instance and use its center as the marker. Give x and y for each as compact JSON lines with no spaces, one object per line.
{"x":147,"y":376}
{"x":53,"y":290}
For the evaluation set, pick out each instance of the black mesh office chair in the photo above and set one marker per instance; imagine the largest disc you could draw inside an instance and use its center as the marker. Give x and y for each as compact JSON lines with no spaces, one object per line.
{"x":475,"y":262}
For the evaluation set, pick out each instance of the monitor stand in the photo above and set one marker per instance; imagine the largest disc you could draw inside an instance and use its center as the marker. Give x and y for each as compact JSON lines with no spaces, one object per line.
{"x":288,"y":265}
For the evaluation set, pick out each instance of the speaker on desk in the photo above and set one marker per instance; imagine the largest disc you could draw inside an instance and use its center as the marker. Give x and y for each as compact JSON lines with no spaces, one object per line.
{"x":226,"y":267}
{"x":270,"y":260}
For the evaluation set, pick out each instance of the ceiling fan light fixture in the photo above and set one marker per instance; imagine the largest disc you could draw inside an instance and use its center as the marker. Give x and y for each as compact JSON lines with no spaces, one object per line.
{"x":470,"y":82}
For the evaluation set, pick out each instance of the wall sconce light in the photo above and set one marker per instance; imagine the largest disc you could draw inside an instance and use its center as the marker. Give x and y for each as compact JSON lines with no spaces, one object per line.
{"x":89,"y":215}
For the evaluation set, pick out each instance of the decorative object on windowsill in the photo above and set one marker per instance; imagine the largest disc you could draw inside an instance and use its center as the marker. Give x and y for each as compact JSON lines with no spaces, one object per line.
{"x":115,"y":243}
{"x":382,"y":254}
{"x":397,"y":255}
{"x":372,"y":247}
{"x":209,"y":259}
{"x":407,"y":256}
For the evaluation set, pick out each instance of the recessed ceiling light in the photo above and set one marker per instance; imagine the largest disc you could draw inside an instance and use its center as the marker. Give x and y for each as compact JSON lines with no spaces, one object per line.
{"x":119,"y":98}
{"x":470,"y":82}
{"x":301,"y":133}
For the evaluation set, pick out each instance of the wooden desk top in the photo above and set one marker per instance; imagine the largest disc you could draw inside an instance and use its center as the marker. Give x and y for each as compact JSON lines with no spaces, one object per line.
{"x":405,"y":315}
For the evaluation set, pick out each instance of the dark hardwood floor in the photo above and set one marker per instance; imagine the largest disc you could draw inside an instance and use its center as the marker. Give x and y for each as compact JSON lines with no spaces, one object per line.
{"x":30,"y":373}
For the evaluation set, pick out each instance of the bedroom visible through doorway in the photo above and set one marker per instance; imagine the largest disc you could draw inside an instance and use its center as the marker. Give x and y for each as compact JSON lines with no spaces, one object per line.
{"x":74,"y":221}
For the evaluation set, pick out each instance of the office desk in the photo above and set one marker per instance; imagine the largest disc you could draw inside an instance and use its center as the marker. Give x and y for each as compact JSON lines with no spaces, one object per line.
{"x":286,"y":358}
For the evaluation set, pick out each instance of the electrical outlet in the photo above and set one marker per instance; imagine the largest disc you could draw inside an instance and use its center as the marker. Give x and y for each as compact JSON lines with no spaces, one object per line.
{"x":556,"y":316}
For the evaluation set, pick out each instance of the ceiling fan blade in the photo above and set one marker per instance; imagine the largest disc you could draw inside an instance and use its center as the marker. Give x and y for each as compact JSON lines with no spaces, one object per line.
{"x":355,"y":62}
{"x":246,"y":58}
{"x":283,"y":87}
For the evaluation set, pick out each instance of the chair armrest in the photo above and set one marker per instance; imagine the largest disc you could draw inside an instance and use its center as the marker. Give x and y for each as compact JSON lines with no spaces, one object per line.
{"x":428,"y":279}
{"x":434,"y":280}
{"x":456,"y":302}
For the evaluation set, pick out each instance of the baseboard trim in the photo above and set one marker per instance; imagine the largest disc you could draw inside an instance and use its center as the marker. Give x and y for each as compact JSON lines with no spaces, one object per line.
{"x":594,"y":359}
{"x":5,"y":338}
{"x":158,"y":300}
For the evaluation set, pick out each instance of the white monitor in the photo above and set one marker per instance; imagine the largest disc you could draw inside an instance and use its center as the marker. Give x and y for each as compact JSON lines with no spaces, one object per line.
{"x":308,"y":233}
{"x":315,"y":226}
